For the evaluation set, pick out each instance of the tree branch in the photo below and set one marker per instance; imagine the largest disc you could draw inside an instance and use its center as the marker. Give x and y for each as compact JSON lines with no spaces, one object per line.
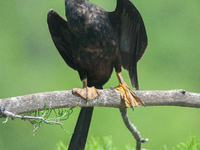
{"x":132,"y":129}
{"x":107,"y":98}
{"x":13,"y":116}
{"x":11,"y":107}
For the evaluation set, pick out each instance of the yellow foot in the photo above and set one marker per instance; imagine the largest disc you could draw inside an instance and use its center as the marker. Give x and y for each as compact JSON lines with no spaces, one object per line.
{"x":87,"y":93}
{"x":128,"y":96}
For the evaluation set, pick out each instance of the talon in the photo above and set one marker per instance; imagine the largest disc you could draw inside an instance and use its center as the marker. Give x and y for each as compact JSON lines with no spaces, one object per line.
{"x":127,"y":94}
{"x":87,"y":93}
{"x":79,"y":100}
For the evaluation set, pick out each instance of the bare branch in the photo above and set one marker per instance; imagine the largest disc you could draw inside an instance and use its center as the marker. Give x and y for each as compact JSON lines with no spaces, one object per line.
{"x":11,"y":107}
{"x":132,"y":129}
{"x":107,"y":98}
{"x":12,"y":115}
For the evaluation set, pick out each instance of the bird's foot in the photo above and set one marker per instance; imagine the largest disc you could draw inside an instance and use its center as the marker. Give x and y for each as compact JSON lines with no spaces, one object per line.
{"x":129,"y":97}
{"x":87,"y":93}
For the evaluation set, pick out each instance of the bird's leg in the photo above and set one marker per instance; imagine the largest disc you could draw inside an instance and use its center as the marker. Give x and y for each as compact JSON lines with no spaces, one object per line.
{"x":127,"y":93}
{"x":87,"y":93}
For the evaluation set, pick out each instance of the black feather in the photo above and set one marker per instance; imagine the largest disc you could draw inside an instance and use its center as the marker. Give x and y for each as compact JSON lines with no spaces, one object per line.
{"x":95,"y":41}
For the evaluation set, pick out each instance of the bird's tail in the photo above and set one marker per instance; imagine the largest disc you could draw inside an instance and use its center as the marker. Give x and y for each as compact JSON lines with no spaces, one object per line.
{"x":79,"y":136}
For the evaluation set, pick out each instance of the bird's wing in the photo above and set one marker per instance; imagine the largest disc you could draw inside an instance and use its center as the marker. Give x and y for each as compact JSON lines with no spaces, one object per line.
{"x":60,"y":34}
{"x":131,"y":36}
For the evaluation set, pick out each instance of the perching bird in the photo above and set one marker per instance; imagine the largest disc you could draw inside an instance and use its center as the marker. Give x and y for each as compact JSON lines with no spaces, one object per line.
{"x":93,"y":41}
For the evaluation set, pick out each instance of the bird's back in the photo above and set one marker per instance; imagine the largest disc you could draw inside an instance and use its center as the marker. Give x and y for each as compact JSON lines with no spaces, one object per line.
{"x":93,"y":42}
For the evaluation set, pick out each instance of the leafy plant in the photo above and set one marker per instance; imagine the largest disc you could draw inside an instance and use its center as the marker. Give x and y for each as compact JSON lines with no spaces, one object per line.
{"x":94,"y":144}
{"x":192,"y":144}
{"x":59,"y":115}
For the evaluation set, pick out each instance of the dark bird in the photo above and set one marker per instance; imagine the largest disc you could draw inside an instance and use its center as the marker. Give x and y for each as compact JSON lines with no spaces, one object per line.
{"x":93,"y":42}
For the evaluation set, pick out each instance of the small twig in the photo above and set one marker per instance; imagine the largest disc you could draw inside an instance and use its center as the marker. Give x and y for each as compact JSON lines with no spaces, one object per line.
{"x":13,"y":116}
{"x":34,"y":129}
{"x":132,"y":129}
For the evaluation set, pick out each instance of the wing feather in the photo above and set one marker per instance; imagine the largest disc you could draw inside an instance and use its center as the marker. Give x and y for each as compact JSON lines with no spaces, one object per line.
{"x":131,"y":36}
{"x":60,"y":34}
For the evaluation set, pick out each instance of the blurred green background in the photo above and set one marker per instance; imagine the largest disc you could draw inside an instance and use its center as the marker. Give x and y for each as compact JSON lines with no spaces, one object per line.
{"x":30,"y":63}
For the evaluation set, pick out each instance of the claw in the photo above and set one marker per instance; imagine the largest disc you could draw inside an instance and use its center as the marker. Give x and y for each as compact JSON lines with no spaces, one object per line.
{"x":127,"y":94}
{"x":87,"y":93}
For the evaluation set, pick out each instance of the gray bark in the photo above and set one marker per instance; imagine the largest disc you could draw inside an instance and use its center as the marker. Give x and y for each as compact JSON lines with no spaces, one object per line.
{"x":107,"y":98}
{"x":11,"y":107}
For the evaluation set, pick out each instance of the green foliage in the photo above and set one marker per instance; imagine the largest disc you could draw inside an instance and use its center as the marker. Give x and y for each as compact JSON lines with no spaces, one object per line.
{"x":94,"y":144}
{"x":58,"y":115}
{"x":192,"y":144}
{"x":61,"y":146}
